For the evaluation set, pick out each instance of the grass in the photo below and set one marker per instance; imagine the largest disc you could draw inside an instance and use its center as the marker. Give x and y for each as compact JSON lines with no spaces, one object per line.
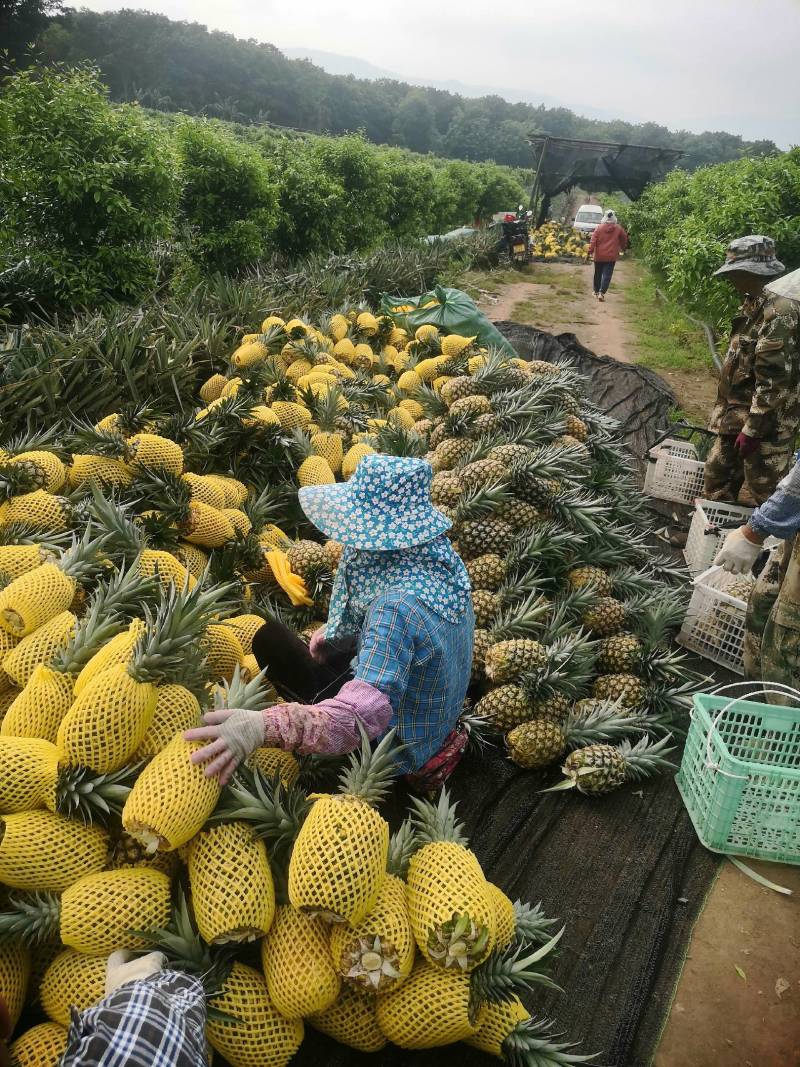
{"x":666,"y":338}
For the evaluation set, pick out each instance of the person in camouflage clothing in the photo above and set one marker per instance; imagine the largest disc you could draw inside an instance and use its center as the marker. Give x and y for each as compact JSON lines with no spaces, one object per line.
{"x":772,"y":627}
{"x":757,"y":412}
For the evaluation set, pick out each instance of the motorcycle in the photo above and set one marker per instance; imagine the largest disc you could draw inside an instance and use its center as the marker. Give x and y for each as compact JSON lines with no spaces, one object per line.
{"x":516,"y":234}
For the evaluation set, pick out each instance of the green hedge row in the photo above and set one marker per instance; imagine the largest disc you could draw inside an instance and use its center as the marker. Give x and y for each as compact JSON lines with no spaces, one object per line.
{"x":98,"y":201}
{"x":682,"y":225}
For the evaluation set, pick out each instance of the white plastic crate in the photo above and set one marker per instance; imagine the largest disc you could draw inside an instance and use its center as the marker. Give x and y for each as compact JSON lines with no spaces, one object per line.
{"x":714,"y":623}
{"x":702,"y":547}
{"x":674,"y":472}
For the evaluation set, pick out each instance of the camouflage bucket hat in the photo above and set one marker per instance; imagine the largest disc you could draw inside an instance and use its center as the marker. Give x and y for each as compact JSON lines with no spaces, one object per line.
{"x":754,"y":254}
{"x":787,"y":286}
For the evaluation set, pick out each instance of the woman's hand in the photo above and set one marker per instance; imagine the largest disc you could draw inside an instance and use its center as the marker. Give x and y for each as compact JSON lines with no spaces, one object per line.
{"x":317,"y":646}
{"x":232,"y":734}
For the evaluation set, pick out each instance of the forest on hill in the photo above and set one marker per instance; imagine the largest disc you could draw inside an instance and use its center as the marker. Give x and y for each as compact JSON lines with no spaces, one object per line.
{"x":181,"y":66}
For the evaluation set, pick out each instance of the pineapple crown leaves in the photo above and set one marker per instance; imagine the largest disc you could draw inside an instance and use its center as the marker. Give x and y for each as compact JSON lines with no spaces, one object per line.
{"x":402,"y":845}
{"x":436,"y":822}
{"x":545,"y":550}
{"x":274,"y":812}
{"x":532,"y":1043}
{"x":369,"y":772}
{"x":505,"y":974}
{"x":84,"y":437}
{"x":325,"y":406}
{"x":94,"y":798}
{"x":569,"y":669}
{"x":30,"y":918}
{"x":20,"y":533}
{"x":397,"y":441}
{"x":16,"y":479}
{"x":85,"y":559}
{"x":174,"y":631}
{"x":241,"y":692}
{"x":606,"y":719}
{"x":163,"y":490}
{"x":115,"y":600}
{"x":432,"y":403}
{"x":531,"y":925}
{"x":579,"y":511}
{"x":482,"y":502}
{"x":31,"y":440}
{"x":480,"y":732}
{"x":187,"y":952}
{"x":524,"y":619}
{"x":125,"y":539}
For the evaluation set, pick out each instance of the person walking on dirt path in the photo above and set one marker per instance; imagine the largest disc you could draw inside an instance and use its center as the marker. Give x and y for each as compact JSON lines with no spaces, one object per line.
{"x":757,"y":413}
{"x":608,"y":241}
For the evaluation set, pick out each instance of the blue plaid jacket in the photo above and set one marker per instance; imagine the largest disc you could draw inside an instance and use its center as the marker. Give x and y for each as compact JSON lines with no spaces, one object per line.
{"x":155,"y":1022}
{"x":422,"y":663}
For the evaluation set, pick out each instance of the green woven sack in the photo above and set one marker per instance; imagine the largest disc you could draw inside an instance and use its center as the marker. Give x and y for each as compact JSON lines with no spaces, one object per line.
{"x":451,"y":310}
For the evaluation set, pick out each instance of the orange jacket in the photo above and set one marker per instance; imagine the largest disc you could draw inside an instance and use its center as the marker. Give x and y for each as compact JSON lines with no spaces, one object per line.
{"x":608,"y":240}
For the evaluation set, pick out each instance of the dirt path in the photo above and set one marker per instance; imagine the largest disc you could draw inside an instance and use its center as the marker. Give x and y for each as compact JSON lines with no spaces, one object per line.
{"x":720,"y":1017}
{"x":558,"y":298}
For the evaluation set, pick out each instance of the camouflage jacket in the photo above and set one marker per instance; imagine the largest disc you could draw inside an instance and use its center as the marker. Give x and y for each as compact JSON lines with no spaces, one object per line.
{"x":780,"y":517}
{"x":759,"y":385}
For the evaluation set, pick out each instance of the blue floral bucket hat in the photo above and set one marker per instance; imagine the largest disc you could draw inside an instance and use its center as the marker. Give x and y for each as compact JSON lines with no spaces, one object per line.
{"x":385,"y":506}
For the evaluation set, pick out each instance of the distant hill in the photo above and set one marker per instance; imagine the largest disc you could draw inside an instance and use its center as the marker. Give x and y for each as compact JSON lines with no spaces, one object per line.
{"x":334,"y":63}
{"x":181,"y":66}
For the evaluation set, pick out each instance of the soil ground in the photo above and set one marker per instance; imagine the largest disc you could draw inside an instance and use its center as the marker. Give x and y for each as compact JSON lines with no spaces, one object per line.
{"x":737,"y":1003}
{"x":557,"y":297}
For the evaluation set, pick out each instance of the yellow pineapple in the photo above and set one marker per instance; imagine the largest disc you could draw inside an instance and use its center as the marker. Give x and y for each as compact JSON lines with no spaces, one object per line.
{"x":40,"y":850}
{"x":154,"y":452}
{"x":297,"y":964}
{"x":351,"y":1021}
{"x":254,"y":1034}
{"x":231,"y":882}
{"x":15,"y":969}
{"x":212,"y":387}
{"x":41,"y":1046}
{"x":177,"y":709}
{"x":377,"y":953}
{"x":39,"y":647}
{"x":38,"y":709}
{"x":72,"y":980}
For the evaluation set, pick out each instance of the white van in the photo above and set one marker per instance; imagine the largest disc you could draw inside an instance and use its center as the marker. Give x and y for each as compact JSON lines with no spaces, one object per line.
{"x":588,"y":218}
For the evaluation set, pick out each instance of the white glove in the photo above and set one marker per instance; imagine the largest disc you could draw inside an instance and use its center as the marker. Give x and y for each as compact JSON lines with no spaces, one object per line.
{"x":123,"y":967}
{"x":232,"y":734}
{"x":738,"y":553}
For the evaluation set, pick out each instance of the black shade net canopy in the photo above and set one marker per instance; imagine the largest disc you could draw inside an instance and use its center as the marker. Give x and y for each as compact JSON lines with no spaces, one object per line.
{"x":562,"y":163}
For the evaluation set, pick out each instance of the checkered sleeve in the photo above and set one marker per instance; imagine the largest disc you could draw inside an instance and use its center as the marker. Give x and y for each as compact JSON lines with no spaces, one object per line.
{"x":387,"y":645}
{"x":155,"y":1022}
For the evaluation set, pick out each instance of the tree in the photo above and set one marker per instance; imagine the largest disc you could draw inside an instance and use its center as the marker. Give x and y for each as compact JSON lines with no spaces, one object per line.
{"x":414,"y":124}
{"x":87,"y":190}
{"x":21,"y":23}
{"x":229,"y":201}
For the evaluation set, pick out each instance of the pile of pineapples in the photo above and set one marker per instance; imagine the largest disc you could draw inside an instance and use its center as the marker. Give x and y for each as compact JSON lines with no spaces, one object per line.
{"x":553,"y":240}
{"x":138,"y":558}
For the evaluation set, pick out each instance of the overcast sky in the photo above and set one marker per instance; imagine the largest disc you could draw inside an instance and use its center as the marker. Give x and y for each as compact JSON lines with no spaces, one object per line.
{"x":691,"y":64}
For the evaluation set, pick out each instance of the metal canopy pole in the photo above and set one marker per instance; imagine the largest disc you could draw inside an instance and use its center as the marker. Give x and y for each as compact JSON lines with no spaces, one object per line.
{"x":535,"y":190}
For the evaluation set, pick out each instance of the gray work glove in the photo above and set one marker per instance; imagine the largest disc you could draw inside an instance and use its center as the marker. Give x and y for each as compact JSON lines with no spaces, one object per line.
{"x":232,"y":734}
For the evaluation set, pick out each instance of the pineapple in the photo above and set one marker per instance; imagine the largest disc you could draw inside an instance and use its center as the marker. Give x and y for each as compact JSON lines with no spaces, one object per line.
{"x":19,"y":559}
{"x":353,"y":457}
{"x":38,"y":510}
{"x":508,"y":1033}
{"x":37,"y":711}
{"x":15,"y":969}
{"x":39,"y":595}
{"x":274,"y":762}
{"x":127,"y":693}
{"x":41,"y":1046}
{"x":96,"y":914}
{"x":480,"y":536}
{"x":454,"y":344}
{"x":605,"y":616}
{"x":46,"y":469}
{"x":40,"y":850}
{"x":435,"y":1007}
{"x":378,"y":953}
{"x":539,"y":742}
{"x":482,"y":472}
{"x":172,"y":798}
{"x":231,"y":882}
{"x":507,"y":661}
{"x":629,"y":690}
{"x":504,"y":707}
{"x":118,"y":651}
{"x":222,"y":650}
{"x":450,"y":908}
{"x":599,"y":769}
{"x":351,"y":1021}
{"x":297,"y":964}
{"x":177,"y":709}
{"x":619,"y":654}
{"x":208,"y":490}
{"x":72,"y":980}
{"x":485,"y":605}
{"x":307,"y":558}
{"x":339,"y":858}
{"x":582,"y":576}
{"x":40,"y":647}
{"x":245,"y":627}
{"x":486,"y":572}
{"x":152,"y":452}
{"x":292,"y":416}
{"x":251,"y":1033}
{"x":313,"y":469}
{"x":518,"y":924}
{"x":212,"y":387}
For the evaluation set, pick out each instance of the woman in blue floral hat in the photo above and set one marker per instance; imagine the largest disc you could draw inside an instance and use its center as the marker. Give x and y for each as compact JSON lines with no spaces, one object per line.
{"x":401,"y":600}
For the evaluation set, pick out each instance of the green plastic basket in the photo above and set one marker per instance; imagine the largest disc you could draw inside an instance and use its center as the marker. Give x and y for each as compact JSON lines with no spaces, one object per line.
{"x":740,"y":777}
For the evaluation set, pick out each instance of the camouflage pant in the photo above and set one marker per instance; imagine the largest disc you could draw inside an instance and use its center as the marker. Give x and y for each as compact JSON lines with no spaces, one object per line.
{"x":726,"y":473}
{"x":772,"y":628}
{"x":759,"y":608}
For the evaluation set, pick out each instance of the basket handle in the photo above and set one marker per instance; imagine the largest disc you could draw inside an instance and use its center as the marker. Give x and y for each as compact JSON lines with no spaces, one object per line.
{"x":775,"y":688}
